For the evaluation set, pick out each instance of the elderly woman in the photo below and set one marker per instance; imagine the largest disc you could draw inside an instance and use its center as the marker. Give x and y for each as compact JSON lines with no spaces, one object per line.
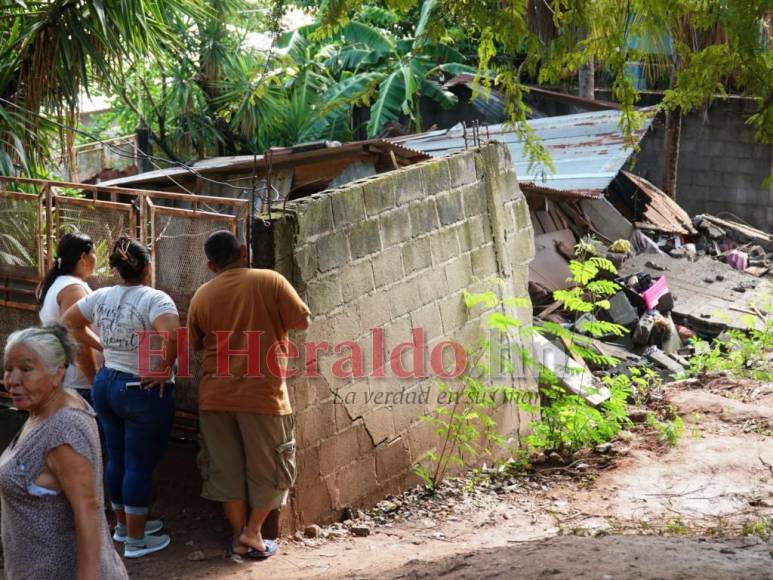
{"x":53,"y":525}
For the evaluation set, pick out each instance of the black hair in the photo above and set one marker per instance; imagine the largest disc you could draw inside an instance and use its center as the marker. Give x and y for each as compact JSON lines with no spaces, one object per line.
{"x":222,"y":248}
{"x":129,"y":258}
{"x":70,"y":248}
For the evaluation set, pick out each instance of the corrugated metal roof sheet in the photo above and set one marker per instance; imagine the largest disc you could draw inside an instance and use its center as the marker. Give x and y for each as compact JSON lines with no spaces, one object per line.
{"x":588,"y":149}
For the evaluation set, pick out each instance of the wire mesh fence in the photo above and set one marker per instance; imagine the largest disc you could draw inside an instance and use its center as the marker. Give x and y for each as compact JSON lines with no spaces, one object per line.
{"x":178,"y":249}
{"x":104,"y":222}
{"x":21,"y":233}
{"x":31,"y":223}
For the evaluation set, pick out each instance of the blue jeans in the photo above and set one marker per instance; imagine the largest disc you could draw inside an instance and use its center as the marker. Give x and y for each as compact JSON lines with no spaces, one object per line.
{"x":137,"y":424}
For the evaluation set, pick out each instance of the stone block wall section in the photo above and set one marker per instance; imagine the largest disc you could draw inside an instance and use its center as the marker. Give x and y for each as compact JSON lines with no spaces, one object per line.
{"x":394,"y":252}
{"x":721,"y":166}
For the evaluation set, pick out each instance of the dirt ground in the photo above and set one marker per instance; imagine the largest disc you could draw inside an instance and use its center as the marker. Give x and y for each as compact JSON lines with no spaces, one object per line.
{"x":700,"y":509}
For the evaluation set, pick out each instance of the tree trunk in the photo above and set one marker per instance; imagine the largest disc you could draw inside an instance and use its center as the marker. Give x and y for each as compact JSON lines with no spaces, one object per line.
{"x":671,"y":151}
{"x":586,"y":82}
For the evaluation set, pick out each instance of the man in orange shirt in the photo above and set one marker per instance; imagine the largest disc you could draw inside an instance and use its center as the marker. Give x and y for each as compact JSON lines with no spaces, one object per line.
{"x":248,"y":447}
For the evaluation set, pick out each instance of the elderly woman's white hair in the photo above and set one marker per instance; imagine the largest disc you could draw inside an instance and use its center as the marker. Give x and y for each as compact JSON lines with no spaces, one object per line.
{"x":52,"y":344}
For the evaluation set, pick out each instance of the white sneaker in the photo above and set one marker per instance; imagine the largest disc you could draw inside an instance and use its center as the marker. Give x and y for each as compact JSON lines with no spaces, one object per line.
{"x":147,"y":545}
{"x":151,"y":527}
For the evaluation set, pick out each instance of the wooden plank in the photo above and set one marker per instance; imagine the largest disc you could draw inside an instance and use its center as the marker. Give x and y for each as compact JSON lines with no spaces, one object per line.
{"x":548,"y":267}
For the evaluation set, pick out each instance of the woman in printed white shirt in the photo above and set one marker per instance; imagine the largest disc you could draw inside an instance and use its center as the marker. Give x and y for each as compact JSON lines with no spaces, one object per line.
{"x":136,"y":413}
{"x":63,"y":285}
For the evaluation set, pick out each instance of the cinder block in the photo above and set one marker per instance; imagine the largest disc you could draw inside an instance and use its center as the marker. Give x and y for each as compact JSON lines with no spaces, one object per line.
{"x":392,"y":459}
{"x":437,"y":177}
{"x":395,"y":226}
{"x":379,"y":195}
{"x":462,"y":168}
{"x":379,"y":425}
{"x":484,"y":262}
{"x":305,"y":258}
{"x":364,"y":239}
{"x":405,"y":297}
{"x":449,"y":207}
{"x":453,"y":313}
{"x":521,"y":246}
{"x":428,"y":319}
{"x":340,"y":449}
{"x":355,"y":481}
{"x":474,"y":199}
{"x":357,"y":280}
{"x":521,"y":214}
{"x":315,"y":504}
{"x":433,"y":285}
{"x":315,"y":216}
{"x":324,"y":294}
{"x":444,"y":245}
{"x":416,"y":255}
{"x":309,"y":471}
{"x":423,"y":217}
{"x":332,"y":251}
{"x":397,"y":331}
{"x":315,"y":424}
{"x":738,"y":150}
{"x":388,"y":266}
{"x":374,"y":310}
{"x":344,"y":325}
{"x":459,"y":273}
{"x":348,"y":206}
{"x":409,"y":185}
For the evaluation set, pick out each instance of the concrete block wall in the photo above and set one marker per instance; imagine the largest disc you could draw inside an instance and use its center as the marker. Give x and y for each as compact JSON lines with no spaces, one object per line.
{"x":394,"y":252}
{"x":721,"y":166}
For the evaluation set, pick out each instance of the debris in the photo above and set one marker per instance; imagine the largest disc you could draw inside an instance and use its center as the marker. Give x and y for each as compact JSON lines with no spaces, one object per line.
{"x":621,"y":311}
{"x":196,"y":556}
{"x":621,"y":246}
{"x":656,"y":211}
{"x":312,"y":531}
{"x":604,"y":448}
{"x":655,"y":292}
{"x":360,"y":530}
{"x":663,"y":360}
{"x":716,"y":228}
{"x":655,"y":266}
{"x":757,"y":271}
{"x":705,"y":309}
{"x":575,"y":377}
{"x":643,"y":244}
{"x":549,"y":267}
{"x":738,"y":260}
{"x":643,"y":330}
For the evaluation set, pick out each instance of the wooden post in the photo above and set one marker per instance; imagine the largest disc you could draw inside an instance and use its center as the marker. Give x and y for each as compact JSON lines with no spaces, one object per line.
{"x":49,"y":226}
{"x":152,"y":244}
{"x":671,"y":151}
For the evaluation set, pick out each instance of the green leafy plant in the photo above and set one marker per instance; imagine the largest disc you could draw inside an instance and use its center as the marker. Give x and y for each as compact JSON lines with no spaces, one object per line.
{"x":668,"y":431}
{"x":463,"y":417}
{"x":743,"y":353}
{"x":762,"y":528}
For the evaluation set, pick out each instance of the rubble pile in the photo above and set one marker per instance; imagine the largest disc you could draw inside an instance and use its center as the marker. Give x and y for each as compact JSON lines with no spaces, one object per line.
{"x":714,"y":276}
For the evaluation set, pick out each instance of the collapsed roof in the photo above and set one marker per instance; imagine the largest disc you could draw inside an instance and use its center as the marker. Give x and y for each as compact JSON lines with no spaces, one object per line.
{"x":588,"y":150}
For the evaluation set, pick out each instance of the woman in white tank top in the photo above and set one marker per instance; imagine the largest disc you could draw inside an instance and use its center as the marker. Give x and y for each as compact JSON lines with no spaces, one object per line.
{"x":63,"y":285}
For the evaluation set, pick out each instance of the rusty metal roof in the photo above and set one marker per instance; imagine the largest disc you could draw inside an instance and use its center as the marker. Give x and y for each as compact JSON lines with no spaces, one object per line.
{"x":660,"y":213}
{"x":587,"y":149}
{"x":280,"y":156}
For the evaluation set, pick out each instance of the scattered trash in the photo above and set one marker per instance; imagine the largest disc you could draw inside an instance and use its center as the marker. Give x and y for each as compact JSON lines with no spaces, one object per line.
{"x":312,"y":531}
{"x":360,"y":531}
{"x":738,"y":260}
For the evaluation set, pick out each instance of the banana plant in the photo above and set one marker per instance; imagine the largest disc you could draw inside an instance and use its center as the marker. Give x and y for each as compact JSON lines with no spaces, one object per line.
{"x":390,"y":75}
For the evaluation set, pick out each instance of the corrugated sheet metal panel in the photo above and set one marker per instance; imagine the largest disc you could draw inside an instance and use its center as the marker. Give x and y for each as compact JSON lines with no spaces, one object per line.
{"x":588,"y":149}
